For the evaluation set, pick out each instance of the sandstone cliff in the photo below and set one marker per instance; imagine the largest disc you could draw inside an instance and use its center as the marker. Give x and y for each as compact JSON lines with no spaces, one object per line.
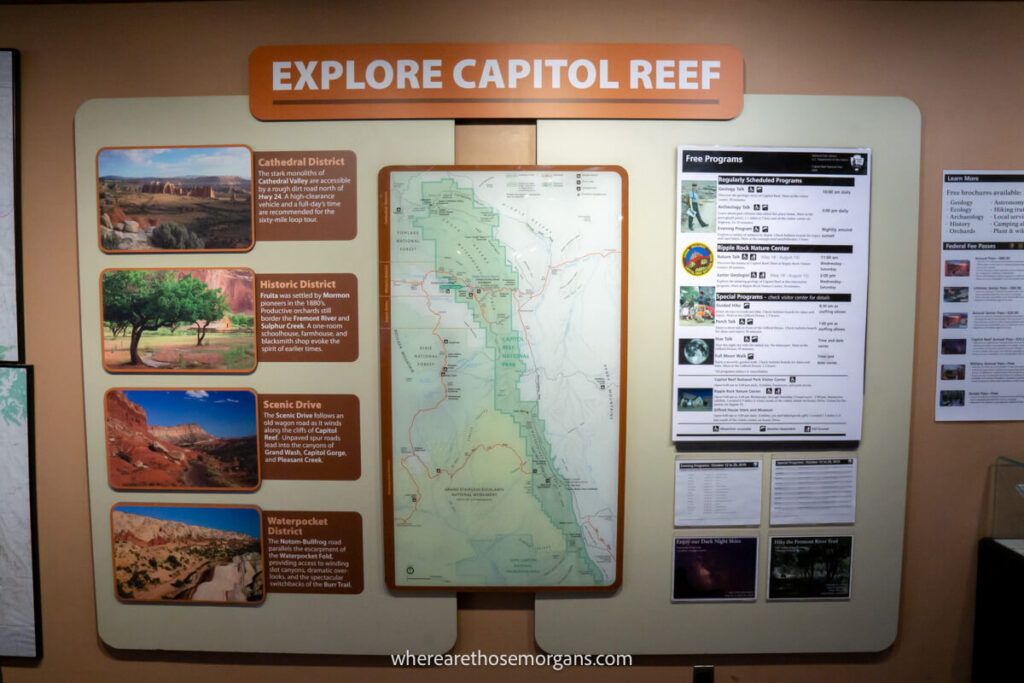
{"x":179,"y":456}
{"x":149,"y":531}
{"x":236,"y":283}
{"x":183,"y":434}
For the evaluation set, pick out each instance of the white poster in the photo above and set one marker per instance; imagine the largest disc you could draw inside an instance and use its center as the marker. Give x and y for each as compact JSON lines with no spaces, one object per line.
{"x":819,"y":491}
{"x":718,"y":493}
{"x":980,"y":367}
{"x":771,"y":294}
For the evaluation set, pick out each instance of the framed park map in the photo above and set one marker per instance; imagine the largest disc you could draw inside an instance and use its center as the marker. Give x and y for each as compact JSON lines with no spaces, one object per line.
{"x":19,"y":583}
{"x":503,"y":308}
{"x":10,"y":317}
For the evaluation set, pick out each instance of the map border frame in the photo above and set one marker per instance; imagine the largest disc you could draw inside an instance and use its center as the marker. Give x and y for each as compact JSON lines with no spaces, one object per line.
{"x":384,"y":297}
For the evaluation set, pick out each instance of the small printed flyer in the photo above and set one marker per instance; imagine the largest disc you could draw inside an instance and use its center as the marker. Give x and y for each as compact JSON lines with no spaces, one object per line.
{"x":718,"y":493}
{"x":980,"y":367}
{"x":714,"y":569}
{"x":770,"y":294}
{"x":810,"y":567}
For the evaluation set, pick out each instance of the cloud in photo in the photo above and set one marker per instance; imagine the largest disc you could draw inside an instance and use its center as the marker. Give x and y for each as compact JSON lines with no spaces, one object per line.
{"x":176,"y":162}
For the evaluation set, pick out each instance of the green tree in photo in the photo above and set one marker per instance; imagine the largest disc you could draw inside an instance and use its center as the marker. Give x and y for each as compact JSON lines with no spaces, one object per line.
{"x":242,"y":322}
{"x":117,"y":328}
{"x":145,"y":301}
{"x":203,"y":306}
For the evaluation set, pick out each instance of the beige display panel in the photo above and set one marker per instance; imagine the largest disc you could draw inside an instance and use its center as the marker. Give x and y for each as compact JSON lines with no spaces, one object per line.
{"x":369,"y":622}
{"x":867,"y":622}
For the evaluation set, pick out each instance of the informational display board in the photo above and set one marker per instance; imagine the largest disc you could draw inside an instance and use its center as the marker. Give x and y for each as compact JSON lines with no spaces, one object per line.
{"x":228,"y":306}
{"x":771,"y":269}
{"x":10,"y":316}
{"x":827,"y":614}
{"x":502,"y":320}
{"x":980,"y":367}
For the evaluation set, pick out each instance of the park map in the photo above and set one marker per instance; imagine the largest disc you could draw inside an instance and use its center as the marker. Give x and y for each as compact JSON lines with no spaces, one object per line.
{"x":8,"y":251}
{"x":17,"y":585}
{"x":503,"y":311}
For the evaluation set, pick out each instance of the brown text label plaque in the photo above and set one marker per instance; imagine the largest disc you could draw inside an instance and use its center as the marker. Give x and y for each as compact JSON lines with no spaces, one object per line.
{"x":310,"y":436}
{"x":307,"y":317}
{"x":305,"y":195}
{"x":314,"y":552}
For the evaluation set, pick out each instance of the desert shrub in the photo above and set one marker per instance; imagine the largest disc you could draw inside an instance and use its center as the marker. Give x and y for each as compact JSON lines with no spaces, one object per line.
{"x":111,"y":242}
{"x":242,"y":322}
{"x":139,"y":579}
{"x":174,"y":236}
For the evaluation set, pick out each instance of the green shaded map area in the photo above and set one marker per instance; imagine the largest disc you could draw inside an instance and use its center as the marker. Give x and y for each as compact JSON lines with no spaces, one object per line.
{"x":13,"y":395}
{"x":8,"y":250}
{"x":478,"y":498}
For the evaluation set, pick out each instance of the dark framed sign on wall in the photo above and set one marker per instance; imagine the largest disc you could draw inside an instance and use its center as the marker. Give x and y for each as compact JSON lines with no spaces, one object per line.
{"x":19,"y":574}
{"x":20,"y":631}
{"x":11,"y":347}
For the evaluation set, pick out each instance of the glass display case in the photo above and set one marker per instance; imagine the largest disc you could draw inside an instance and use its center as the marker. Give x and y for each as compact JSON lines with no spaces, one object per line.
{"x":1000,"y":591}
{"x":1007,"y":522}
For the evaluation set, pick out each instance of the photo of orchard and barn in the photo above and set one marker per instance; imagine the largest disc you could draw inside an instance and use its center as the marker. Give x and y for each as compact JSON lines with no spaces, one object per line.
{"x":168,"y":320}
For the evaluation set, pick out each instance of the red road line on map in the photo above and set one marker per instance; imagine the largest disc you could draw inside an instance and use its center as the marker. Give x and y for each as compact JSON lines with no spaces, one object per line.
{"x":598,"y":534}
{"x":444,"y":397}
{"x":558,"y":266}
{"x":522,"y":461}
{"x":547,"y":278}
{"x":451,"y":474}
{"x":444,"y":386}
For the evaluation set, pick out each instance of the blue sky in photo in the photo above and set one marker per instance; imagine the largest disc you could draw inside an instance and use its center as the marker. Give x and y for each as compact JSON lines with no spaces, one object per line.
{"x":175,"y":162}
{"x":240,"y":520}
{"x":224,"y":413}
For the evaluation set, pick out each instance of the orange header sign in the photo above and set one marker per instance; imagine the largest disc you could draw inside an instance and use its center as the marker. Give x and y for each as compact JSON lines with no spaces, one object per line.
{"x":495,"y":80}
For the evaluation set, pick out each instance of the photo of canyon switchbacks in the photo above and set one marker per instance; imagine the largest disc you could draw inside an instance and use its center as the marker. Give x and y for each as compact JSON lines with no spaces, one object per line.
{"x":187,"y":553}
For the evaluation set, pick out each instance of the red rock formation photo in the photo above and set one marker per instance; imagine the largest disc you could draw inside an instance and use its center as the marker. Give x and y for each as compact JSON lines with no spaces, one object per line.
{"x":183,"y":456}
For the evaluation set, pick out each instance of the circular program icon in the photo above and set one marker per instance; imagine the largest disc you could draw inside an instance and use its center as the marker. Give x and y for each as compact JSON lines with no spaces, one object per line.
{"x":698,"y":259}
{"x":696,"y":351}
